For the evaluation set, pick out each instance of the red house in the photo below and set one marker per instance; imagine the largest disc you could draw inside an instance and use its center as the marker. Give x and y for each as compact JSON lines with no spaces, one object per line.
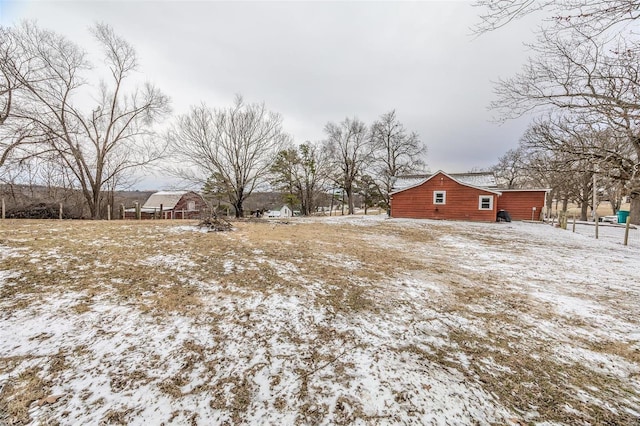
{"x":468,"y":196}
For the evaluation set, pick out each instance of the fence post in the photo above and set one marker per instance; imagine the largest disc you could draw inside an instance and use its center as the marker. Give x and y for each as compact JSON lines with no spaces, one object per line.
{"x":122,"y":211}
{"x":3,"y":211}
{"x":138,"y":211}
{"x":626,"y":231}
{"x":597,"y":220}
{"x":108,"y":212}
{"x":60,"y":216}
{"x":574,"y":223}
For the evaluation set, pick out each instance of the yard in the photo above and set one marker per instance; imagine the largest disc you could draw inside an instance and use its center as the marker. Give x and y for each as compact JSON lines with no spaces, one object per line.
{"x":342,"y":320}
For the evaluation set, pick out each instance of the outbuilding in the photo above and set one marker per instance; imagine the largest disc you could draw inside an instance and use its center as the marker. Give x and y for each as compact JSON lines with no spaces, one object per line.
{"x":282,"y":211}
{"x":171,"y":205}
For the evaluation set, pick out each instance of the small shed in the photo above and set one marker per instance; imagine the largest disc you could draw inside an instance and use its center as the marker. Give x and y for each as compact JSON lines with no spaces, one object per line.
{"x":171,"y":205}
{"x":283,"y":211}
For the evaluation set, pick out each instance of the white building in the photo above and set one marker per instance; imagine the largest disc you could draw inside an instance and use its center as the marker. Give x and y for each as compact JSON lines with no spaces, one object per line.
{"x":283,"y":211}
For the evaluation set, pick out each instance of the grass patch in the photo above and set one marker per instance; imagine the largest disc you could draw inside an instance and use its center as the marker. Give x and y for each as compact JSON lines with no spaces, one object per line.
{"x":341,"y":273}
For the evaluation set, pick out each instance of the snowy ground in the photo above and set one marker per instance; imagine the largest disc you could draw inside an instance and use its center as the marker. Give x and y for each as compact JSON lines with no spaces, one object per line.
{"x":342,"y":320}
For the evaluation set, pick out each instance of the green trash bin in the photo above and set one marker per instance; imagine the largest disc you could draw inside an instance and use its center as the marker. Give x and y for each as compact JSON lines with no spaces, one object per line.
{"x":622,"y":216}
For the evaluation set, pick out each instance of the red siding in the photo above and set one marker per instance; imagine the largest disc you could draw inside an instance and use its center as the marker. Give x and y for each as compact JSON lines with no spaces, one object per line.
{"x":461,"y":201}
{"x":520,"y":204}
{"x":183,"y":204}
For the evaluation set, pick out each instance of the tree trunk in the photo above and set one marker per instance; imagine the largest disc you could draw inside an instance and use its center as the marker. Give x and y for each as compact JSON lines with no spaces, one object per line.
{"x":634,"y":210}
{"x":584,"y":210}
{"x":634,"y":194}
{"x":350,"y":198}
{"x":549,"y":203}
{"x":237,"y":201}
{"x":585,"y":194}
{"x":615,"y":206}
{"x":90,"y":198}
{"x":239,"y":209}
{"x":309,"y":207}
{"x":97,"y":199}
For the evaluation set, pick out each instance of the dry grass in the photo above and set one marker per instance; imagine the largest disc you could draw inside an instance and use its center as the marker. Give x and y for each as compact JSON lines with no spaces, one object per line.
{"x":339,"y":268}
{"x":19,"y":393}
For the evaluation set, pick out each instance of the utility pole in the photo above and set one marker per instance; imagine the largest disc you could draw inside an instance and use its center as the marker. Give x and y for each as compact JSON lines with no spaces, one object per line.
{"x":595,"y":194}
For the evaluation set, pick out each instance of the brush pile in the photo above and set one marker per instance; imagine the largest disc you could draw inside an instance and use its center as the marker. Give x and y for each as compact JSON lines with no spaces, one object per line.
{"x":37,"y":211}
{"x":215,"y":224}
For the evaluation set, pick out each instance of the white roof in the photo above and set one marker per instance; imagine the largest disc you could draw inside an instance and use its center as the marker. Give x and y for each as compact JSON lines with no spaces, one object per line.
{"x":478,"y":179}
{"x":481,"y":179}
{"x":168,"y":199}
{"x":279,"y":208}
{"x":402,"y":182}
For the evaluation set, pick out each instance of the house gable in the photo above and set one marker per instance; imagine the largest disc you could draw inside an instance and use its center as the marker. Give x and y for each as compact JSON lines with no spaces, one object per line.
{"x":440,"y":196}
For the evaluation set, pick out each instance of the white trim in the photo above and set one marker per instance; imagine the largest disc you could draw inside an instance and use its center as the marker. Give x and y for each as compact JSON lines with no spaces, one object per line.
{"x":435,"y":198}
{"x":480,"y":197}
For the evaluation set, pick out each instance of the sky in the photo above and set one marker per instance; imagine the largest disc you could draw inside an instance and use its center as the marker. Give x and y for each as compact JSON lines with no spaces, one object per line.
{"x":315,"y":62}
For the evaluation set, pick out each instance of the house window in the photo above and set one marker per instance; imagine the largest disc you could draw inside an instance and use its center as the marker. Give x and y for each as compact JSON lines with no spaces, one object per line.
{"x":485,"y":202}
{"x":439,"y":197}
{"x":191,"y":205}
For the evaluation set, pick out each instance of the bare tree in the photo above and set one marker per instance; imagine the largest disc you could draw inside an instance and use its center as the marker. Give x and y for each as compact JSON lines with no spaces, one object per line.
{"x":231,"y":148}
{"x":97,"y":145}
{"x":6,"y":86}
{"x":579,"y":150}
{"x":350,"y":152}
{"x":596,"y":16}
{"x":577,"y":74}
{"x":12,"y":132}
{"x":543,"y":171}
{"x":586,"y":69}
{"x":395,"y":152}
{"x":592,"y":84}
{"x":511,"y":172}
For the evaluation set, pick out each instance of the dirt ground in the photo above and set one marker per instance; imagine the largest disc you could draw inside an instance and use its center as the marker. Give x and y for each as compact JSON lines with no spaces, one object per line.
{"x":343,"y":320}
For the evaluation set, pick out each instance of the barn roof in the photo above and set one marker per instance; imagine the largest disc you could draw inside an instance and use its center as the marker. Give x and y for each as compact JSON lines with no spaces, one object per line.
{"x":168,"y":199}
{"x":485,"y":181}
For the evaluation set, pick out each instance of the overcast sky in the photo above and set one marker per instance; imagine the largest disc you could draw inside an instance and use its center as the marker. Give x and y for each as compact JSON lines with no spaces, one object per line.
{"x":315,"y":62}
